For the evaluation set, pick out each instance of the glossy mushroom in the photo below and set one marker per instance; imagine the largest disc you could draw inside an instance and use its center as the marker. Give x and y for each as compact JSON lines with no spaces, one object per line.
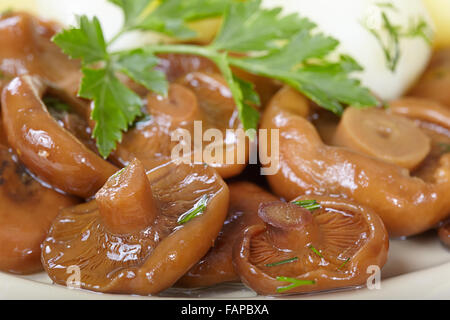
{"x":139,"y":236}
{"x":217,"y":265}
{"x":27,"y":209}
{"x":198,"y":98}
{"x":408,"y":205}
{"x":299,"y":251}
{"x":434,"y":120}
{"x":46,"y":148}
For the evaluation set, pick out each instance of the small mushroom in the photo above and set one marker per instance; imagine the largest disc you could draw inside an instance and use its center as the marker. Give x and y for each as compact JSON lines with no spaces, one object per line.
{"x":407,"y":204}
{"x":435,"y":81}
{"x":197,"y":96}
{"x":47,"y":149}
{"x":141,"y":234}
{"x":376,"y":133}
{"x":299,"y":251}
{"x":444,"y":233}
{"x":217,"y":265}
{"x":26,"y":48}
{"x":27,"y":209}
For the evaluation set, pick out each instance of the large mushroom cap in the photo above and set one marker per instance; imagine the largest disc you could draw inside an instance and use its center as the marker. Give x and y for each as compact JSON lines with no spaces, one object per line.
{"x":444,"y":233}
{"x":299,"y":251}
{"x":26,"y":212}
{"x":217,"y":265}
{"x":139,"y":237}
{"x":435,"y":81}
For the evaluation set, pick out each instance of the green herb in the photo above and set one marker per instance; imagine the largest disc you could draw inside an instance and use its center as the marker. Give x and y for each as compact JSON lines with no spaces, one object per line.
{"x":56,"y":104}
{"x":344,"y":263}
{"x":199,"y":207}
{"x":294,"y":283}
{"x":286,"y":48}
{"x":311,"y":205}
{"x":445,"y":147}
{"x":315,"y":251}
{"x":274,"y":264}
{"x":389,"y":35}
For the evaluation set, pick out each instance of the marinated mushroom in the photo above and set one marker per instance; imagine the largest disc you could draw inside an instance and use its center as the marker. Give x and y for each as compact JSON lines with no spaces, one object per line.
{"x":299,"y":251}
{"x":444,"y":233}
{"x":435,"y":81}
{"x":376,"y":133}
{"x":47,"y":149}
{"x":217,"y":265}
{"x":26,"y":212}
{"x":197,"y":96}
{"x":26,"y":48}
{"x":141,"y":234}
{"x":408,"y":205}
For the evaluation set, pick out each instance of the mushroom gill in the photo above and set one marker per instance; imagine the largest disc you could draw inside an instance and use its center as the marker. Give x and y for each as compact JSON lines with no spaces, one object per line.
{"x":299,"y":251}
{"x":217,"y":265}
{"x":139,"y":236}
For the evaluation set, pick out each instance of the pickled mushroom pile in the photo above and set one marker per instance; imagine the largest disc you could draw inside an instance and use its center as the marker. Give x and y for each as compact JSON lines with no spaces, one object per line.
{"x":138,"y":221}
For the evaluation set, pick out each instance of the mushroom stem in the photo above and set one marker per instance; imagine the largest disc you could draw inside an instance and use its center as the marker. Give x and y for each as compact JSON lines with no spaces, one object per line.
{"x":289,"y":226}
{"x":126,"y":202}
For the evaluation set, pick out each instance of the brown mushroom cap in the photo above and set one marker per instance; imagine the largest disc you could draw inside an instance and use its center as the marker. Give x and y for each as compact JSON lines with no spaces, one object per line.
{"x":47,"y":149}
{"x":328,"y":248}
{"x":435,"y":81}
{"x":376,"y":133}
{"x":26,"y":48}
{"x":444,"y":233}
{"x":27,"y":209}
{"x":408,"y":205}
{"x":150,"y":257}
{"x":197,"y":96}
{"x":217,"y":265}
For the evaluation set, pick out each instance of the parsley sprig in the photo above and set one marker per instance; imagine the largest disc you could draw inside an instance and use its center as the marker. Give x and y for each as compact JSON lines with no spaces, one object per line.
{"x":294,"y":283}
{"x":260,"y":41}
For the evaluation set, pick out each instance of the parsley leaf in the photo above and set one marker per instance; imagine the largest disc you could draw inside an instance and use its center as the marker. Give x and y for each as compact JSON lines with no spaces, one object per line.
{"x":115,"y":106}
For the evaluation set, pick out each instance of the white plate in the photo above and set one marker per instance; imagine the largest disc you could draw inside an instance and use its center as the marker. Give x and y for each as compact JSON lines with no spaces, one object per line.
{"x":417,"y":268}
